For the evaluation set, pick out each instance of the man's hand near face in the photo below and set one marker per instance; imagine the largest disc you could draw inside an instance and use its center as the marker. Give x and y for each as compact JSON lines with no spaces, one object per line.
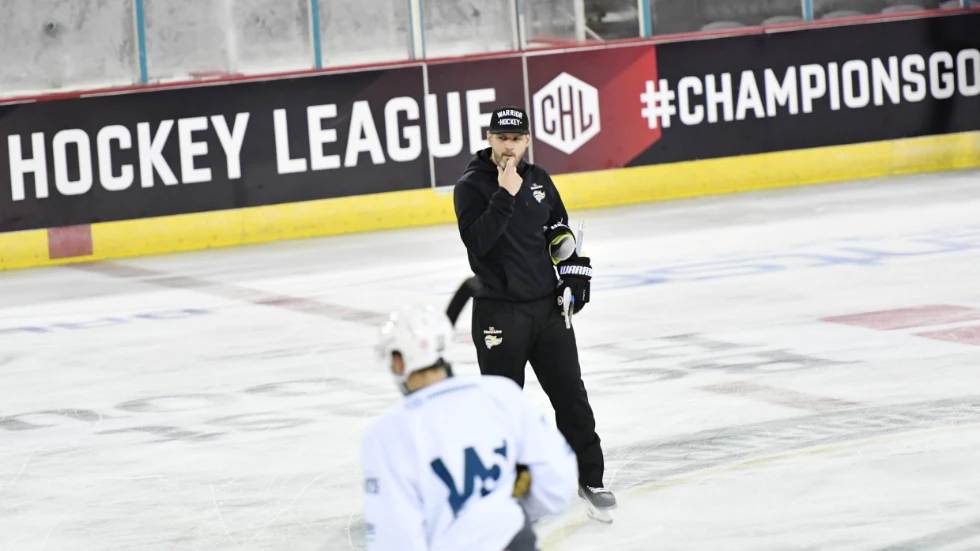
{"x":508,"y":178}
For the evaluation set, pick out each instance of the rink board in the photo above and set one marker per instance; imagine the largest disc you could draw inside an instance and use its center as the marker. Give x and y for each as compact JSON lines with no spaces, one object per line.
{"x":404,"y":209}
{"x":197,"y":166}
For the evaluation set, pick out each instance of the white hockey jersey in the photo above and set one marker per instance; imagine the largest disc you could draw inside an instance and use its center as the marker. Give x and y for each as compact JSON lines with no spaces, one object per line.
{"x":440,"y":467}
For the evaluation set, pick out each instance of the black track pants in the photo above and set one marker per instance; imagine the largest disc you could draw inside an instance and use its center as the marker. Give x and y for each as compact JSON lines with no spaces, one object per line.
{"x":508,"y":335}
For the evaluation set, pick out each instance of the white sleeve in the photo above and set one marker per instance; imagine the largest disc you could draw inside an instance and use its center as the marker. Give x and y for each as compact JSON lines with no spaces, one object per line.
{"x":393,"y":512}
{"x":551,"y":462}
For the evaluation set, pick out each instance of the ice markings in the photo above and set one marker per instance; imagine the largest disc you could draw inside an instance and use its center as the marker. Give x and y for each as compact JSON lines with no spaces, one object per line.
{"x":840,"y":252}
{"x":178,"y":417}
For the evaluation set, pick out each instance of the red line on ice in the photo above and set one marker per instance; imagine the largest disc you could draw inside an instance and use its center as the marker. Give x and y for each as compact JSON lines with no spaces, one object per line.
{"x":780,"y":397}
{"x":962,"y":335}
{"x":905,"y":318}
{"x":235,"y":292}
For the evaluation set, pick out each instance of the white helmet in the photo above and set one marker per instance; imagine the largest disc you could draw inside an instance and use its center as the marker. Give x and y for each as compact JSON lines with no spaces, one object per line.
{"x":421,"y":334}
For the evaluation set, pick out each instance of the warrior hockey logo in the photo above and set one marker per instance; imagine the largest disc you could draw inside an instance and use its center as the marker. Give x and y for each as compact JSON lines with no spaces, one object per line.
{"x":513,"y":118}
{"x":575,"y":270}
{"x":492,"y":339}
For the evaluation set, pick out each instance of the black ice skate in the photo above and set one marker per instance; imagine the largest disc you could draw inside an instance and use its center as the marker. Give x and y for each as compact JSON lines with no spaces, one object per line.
{"x":601,"y":502}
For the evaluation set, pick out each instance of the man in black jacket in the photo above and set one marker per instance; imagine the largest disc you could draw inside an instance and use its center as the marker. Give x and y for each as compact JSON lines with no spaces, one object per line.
{"x":515,"y":228}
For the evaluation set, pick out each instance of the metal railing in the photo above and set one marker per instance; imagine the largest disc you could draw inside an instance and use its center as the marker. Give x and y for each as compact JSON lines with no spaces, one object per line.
{"x":58,"y":45}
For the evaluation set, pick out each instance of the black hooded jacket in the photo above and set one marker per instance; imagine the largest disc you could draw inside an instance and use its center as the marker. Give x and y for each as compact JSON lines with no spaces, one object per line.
{"x":504,"y":234}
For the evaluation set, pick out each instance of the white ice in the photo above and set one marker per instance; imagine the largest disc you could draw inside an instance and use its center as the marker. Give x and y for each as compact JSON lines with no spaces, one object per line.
{"x":215,"y":400}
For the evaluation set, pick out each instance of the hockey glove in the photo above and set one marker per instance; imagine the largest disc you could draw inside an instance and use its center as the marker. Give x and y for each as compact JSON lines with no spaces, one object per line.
{"x":523,"y":482}
{"x":576,"y":275}
{"x":561,"y":241}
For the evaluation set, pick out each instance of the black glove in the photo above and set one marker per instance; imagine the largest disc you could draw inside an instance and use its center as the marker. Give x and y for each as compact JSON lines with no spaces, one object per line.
{"x":575,"y":274}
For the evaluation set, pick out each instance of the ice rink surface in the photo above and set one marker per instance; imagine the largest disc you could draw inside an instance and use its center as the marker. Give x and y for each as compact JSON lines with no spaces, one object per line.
{"x":789,"y":370}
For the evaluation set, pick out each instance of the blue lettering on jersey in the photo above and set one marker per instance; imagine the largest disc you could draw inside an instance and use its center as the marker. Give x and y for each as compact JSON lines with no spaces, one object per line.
{"x":473,"y":468}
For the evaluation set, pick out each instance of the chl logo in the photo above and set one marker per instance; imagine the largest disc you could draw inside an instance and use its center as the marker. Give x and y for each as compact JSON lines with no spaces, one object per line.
{"x":566,"y":113}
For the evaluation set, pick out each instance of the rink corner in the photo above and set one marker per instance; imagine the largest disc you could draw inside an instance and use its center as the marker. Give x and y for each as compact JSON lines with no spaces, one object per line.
{"x":405,"y":209}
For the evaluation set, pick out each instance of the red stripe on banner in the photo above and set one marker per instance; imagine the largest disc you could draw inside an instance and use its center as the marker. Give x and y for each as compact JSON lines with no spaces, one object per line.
{"x":962,"y":335}
{"x":69,"y":242}
{"x":904,"y":318}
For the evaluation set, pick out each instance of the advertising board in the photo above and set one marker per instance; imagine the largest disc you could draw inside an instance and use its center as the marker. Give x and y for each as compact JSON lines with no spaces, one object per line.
{"x":208,"y":148}
{"x":182,"y":168}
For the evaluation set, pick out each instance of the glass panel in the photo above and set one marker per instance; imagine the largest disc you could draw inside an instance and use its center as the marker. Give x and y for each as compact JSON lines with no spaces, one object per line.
{"x":47,"y":45}
{"x":188,"y":38}
{"x":364,"y":31}
{"x":553,"y":22}
{"x":835,"y":9}
{"x":273,"y":35}
{"x":681,"y":16}
{"x":611,"y":19}
{"x":460,"y":27}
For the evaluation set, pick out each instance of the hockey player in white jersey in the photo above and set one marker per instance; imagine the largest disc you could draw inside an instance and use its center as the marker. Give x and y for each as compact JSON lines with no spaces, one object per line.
{"x":462,"y":463}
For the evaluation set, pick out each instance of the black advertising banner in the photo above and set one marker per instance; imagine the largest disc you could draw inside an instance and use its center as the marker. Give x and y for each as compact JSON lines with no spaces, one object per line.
{"x":813,"y":88}
{"x":205,"y":148}
{"x":461,"y":97}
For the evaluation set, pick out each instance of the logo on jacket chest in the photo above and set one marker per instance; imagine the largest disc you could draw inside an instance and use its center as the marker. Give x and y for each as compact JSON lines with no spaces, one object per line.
{"x":537,"y":190}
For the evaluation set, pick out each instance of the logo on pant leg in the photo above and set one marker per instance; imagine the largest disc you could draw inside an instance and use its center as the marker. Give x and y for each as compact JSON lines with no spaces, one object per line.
{"x":492,"y":339}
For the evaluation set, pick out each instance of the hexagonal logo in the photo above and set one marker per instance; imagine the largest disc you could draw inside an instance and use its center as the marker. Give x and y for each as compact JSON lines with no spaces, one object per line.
{"x":566,"y":113}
